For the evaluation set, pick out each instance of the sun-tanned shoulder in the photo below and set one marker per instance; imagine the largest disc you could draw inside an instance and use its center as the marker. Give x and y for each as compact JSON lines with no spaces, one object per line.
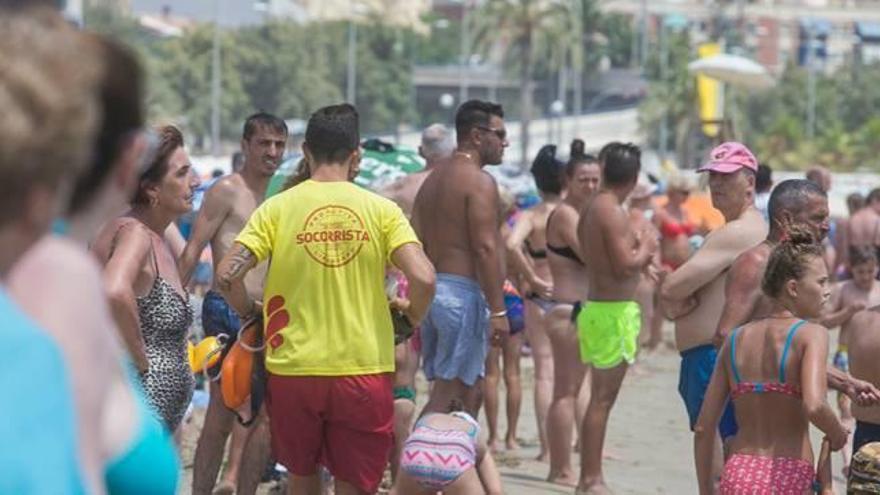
{"x":605,"y":208}
{"x":225,"y":187}
{"x":130,"y":228}
{"x":865,"y":319}
{"x":483,"y":181}
{"x":811,"y":331}
{"x":752,"y":260}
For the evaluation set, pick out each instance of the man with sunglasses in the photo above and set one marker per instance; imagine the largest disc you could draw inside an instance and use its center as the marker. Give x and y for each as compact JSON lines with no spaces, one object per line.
{"x":456,"y":215}
{"x":227,"y":206}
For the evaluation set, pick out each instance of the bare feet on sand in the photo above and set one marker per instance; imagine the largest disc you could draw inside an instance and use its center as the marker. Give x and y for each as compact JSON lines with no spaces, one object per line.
{"x":611,"y":455}
{"x":595,"y":488}
{"x":565,"y":478}
{"x":543,"y":456}
{"x":493,"y":446}
{"x":511,"y":444}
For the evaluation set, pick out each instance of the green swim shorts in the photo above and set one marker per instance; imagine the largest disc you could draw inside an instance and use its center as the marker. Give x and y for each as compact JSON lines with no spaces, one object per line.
{"x":608,"y":332}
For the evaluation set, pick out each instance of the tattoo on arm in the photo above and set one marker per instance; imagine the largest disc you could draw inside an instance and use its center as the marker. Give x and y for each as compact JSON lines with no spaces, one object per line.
{"x":237,"y":262}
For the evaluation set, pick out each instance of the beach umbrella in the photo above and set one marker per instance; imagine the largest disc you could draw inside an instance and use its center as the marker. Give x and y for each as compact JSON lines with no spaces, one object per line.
{"x":381,"y":164}
{"x":734,"y":70}
{"x":285,"y":170}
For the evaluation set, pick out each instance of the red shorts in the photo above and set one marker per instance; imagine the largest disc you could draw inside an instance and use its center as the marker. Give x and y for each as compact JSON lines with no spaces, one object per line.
{"x":344,"y":423}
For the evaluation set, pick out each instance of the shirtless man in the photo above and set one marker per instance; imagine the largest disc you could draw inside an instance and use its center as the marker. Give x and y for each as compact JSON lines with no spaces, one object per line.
{"x":651,"y":333}
{"x":608,"y":326}
{"x":821,"y":176}
{"x":795,"y":201}
{"x":225,"y":210}
{"x":854,"y":203}
{"x":456,"y":217}
{"x":864,"y":345}
{"x":436,"y":148}
{"x":693,"y":295}
{"x":864,"y":225}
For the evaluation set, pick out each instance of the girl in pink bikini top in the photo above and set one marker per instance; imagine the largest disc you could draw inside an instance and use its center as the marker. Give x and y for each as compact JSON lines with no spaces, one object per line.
{"x":771,"y":452}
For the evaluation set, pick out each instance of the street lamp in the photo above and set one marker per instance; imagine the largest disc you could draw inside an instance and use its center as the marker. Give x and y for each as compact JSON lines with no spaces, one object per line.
{"x":465,"y":51}
{"x":446,"y":101}
{"x":216,"y":88}
{"x":557,"y":108}
{"x":357,"y":9}
{"x":811,"y":82}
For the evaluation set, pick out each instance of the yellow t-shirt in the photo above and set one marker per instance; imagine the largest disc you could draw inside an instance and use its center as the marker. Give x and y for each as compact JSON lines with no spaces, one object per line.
{"x":324,"y":306}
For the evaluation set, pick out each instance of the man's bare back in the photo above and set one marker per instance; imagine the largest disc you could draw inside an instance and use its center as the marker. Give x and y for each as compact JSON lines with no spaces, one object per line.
{"x":404,"y":191}
{"x":608,"y":326}
{"x":744,"y":300}
{"x":864,"y":346}
{"x":603,"y":218}
{"x":863,"y":227}
{"x":436,"y":148}
{"x":442,"y":211}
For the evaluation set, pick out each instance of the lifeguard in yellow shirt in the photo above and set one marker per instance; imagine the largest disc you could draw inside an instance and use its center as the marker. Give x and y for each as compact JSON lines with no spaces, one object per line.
{"x":328,"y":326}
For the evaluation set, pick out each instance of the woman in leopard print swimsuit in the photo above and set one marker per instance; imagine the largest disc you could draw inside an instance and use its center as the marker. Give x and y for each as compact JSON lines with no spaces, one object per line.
{"x":165,"y":320}
{"x":141,"y":274}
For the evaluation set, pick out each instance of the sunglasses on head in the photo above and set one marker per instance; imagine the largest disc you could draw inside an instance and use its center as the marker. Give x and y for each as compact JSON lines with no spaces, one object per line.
{"x":150,"y":150}
{"x":501,"y":133}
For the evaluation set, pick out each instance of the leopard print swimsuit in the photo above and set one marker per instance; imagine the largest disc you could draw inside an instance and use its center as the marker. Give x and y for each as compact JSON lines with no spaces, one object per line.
{"x":165,"y":318}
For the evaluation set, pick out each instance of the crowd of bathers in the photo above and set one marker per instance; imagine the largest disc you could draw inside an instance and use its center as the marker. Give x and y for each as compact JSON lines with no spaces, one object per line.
{"x":328,"y":298}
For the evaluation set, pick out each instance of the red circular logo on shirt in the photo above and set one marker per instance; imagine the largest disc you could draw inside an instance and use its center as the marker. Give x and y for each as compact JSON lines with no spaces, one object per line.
{"x":333,"y":235}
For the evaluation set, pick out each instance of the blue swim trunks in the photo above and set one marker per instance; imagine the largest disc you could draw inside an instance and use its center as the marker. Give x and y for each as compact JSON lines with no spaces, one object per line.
{"x":697,"y":365}
{"x":203,"y":273}
{"x":218,"y":316}
{"x":454,"y":334}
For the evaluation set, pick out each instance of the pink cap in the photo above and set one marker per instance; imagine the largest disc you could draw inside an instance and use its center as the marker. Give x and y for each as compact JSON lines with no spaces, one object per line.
{"x":729,"y":157}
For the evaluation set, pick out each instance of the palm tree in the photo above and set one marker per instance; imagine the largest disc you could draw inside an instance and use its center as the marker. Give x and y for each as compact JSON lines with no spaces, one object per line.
{"x":525,"y":30}
{"x":586,"y":46}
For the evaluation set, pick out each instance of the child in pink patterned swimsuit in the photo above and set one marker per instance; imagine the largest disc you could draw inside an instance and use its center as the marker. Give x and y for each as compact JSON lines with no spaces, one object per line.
{"x":446,"y":453}
{"x":774,"y":372}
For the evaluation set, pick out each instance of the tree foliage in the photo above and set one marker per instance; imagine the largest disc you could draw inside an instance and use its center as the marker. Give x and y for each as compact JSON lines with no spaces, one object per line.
{"x":672,"y":92}
{"x":774,"y":121}
{"x":280,"y":67}
{"x":847,"y":130}
{"x":537,"y":38}
{"x":530,"y":31}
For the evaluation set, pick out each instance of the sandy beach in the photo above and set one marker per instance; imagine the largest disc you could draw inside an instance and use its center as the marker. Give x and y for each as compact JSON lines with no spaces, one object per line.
{"x":648,"y":448}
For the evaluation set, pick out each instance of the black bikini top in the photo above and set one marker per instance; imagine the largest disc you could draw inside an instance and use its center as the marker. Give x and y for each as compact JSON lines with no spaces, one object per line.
{"x":537,"y":254}
{"x":564,"y":251}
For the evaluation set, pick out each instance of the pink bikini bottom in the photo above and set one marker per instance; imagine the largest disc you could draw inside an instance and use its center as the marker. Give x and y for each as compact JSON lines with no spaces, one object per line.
{"x":758,"y":475}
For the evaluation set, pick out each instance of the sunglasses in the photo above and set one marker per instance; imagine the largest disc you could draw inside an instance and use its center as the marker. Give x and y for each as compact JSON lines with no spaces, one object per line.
{"x":150,"y":150}
{"x":501,"y":133}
